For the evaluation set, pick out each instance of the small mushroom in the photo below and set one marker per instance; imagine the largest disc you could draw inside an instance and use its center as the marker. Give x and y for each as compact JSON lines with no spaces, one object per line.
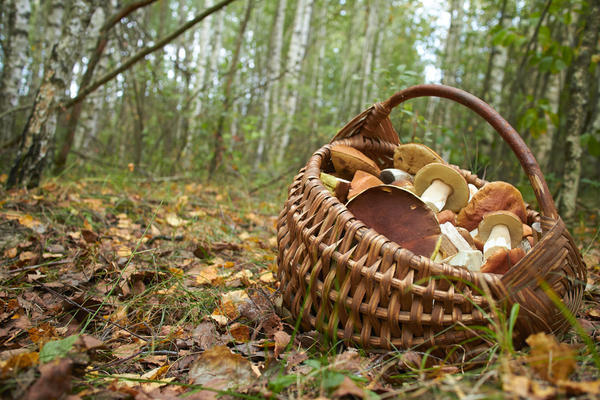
{"x":472,"y":190}
{"x":407,"y":185}
{"x":446,"y":216}
{"x":466,"y":257}
{"x":499,"y":230}
{"x":501,"y":261}
{"x":390,"y":175}
{"x":347,"y":160}
{"x":411,"y":157}
{"x":494,"y":196}
{"x":441,"y":186}
{"x":400,"y":216}
{"x":337,"y":186}
{"x":362,"y":180}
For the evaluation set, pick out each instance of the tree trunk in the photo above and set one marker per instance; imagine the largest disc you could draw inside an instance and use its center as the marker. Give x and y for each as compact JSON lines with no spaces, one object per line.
{"x":39,"y":132}
{"x":15,"y":59}
{"x":367,"y":53}
{"x":218,"y":147}
{"x":296,"y":53}
{"x":271,"y":85}
{"x":579,"y":95}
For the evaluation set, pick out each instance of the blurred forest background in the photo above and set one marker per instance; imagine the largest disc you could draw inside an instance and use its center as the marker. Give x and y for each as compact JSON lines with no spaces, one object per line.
{"x":246,"y":90}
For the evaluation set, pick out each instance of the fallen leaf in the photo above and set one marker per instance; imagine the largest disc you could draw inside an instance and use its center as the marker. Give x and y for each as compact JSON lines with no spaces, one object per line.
{"x":219,"y":368}
{"x":173,"y":220}
{"x":10,"y":253}
{"x":281,"y":341}
{"x":54,"y":381}
{"x":553,"y":361}
{"x":348,"y":389}
{"x":205,"y":335}
{"x":580,"y":388}
{"x":57,"y":349}
{"x":240,"y":333}
{"x":518,"y":385}
{"x":19,"y":362}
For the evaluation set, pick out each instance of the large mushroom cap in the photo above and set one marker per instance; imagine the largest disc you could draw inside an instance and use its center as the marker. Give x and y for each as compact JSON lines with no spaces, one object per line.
{"x":494,"y":196}
{"x":411,"y":157}
{"x":400,"y":216}
{"x":347,"y":160}
{"x":451,"y":177}
{"x":506,"y":218}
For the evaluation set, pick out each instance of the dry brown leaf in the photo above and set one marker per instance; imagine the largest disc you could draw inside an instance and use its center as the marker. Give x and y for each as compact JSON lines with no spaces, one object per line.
{"x":517,"y":385}
{"x":281,"y":341}
{"x":553,"y":361}
{"x":173,"y":220}
{"x":54,"y":381}
{"x":18,"y":362}
{"x":580,"y":388}
{"x":219,"y":368}
{"x":241,"y":333}
{"x":348,"y":389}
{"x":205,"y":335}
{"x":10,"y":253}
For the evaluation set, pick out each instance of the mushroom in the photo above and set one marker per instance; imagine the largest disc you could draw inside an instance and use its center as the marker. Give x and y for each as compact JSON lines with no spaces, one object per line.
{"x":347,"y":160}
{"x":390,"y":175}
{"x":472,"y":190}
{"x":411,"y":157}
{"x":362,"y":180}
{"x":499,"y":230}
{"x":446,"y":216}
{"x":400,"y":216}
{"x":337,"y":186}
{"x":501,"y":261}
{"x":441,"y":186}
{"x":466,"y":257}
{"x":494,"y":196}
{"x":407,"y":185}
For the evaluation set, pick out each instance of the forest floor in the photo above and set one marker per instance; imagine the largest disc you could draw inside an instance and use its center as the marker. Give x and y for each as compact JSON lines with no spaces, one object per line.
{"x":126,"y":288}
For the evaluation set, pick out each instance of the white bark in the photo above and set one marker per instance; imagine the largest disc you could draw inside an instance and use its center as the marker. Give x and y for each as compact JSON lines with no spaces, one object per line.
{"x":14,"y":64}
{"x":272,"y":84}
{"x":216,"y":50}
{"x":367,"y":54}
{"x":296,"y":54}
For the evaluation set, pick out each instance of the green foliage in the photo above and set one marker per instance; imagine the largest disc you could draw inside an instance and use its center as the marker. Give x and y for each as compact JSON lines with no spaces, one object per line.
{"x":57,"y":348}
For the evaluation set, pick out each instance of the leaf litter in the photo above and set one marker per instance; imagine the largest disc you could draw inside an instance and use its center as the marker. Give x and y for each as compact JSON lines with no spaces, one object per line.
{"x":157,"y":291}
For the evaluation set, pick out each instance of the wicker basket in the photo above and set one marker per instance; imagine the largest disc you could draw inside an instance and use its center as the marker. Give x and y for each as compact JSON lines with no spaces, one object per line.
{"x":346,"y":280}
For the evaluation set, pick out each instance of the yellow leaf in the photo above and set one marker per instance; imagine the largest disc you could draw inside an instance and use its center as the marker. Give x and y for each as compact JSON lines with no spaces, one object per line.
{"x":10,"y":253}
{"x":553,"y":361}
{"x":173,"y":220}
{"x":267,"y":277}
{"x":18,"y":362}
{"x":3,"y":178}
{"x":27,"y":255}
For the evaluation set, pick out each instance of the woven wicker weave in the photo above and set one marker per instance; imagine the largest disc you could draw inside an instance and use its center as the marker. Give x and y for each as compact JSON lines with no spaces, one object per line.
{"x":344,"y":279}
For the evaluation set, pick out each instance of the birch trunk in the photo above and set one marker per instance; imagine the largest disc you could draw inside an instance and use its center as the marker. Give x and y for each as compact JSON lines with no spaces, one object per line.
{"x":576,"y":115}
{"x":218,"y":147}
{"x":272,"y":83}
{"x":298,"y":44}
{"x":367,"y":53}
{"x":15,"y":59}
{"x":38,"y":134}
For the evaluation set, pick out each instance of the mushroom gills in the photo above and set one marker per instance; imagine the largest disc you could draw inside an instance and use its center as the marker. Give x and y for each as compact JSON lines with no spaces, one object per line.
{"x":436,"y":194}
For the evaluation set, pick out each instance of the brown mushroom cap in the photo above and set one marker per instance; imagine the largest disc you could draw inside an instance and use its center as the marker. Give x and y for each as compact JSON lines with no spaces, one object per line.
{"x":362,"y":180}
{"x":411,"y":157}
{"x":451,"y":177}
{"x":510,"y":220}
{"x":347,"y":160}
{"x":494,"y":196}
{"x":400,"y":216}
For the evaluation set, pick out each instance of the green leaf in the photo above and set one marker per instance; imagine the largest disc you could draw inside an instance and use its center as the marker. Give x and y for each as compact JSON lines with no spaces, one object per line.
{"x":57,"y":349}
{"x":281,"y":382}
{"x":332,"y":379}
{"x":592,"y":144}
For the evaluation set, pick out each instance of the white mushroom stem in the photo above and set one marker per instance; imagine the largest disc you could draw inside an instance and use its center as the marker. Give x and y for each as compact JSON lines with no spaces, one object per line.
{"x":499,"y":239}
{"x":436,"y":194}
{"x":472,"y":190}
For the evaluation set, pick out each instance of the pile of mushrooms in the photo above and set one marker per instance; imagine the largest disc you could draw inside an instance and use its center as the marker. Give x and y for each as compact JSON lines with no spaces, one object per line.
{"x":426,"y":206}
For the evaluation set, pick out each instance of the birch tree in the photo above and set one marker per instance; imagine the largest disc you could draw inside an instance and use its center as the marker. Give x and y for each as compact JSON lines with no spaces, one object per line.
{"x":15,"y":59}
{"x":579,"y":95}
{"x":296,"y":54}
{"x":38,"y":134}
{"x":270,"y":99}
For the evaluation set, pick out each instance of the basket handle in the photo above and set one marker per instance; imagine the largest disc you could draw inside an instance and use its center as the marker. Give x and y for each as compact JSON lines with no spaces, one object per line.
{"x":508,"y":133}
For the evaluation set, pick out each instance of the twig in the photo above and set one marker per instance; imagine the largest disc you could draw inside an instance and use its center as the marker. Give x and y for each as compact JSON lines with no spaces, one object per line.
{"x":15,"y":109}
{"x":153,"y":239}
{"x":29,"y":268}
{"x":90,"y":312}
